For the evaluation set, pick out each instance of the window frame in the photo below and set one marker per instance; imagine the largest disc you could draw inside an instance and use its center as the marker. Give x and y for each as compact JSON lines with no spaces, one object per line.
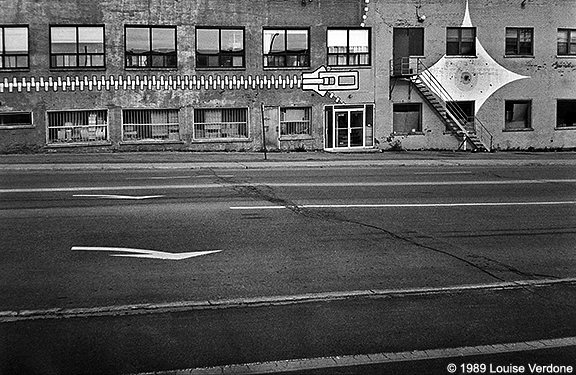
{"x":4,"y":55}
{"x":221,"y":54}
{"x":460,"y":42}
{"x":571,"y":34}
{"x":150,"y":53}
{"x":78,"y":55}
{"x":527,"y":120}
{"x":562,"y":126}
{"x":349,"y":55}
{"x":517,"y":52}
{"x":286,"y":52}
{"x":16,"y":125}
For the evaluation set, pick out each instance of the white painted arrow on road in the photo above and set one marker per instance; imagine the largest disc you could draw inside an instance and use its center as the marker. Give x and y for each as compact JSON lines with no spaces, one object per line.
{"x":142,"y":253}
{"x":109,"y":196}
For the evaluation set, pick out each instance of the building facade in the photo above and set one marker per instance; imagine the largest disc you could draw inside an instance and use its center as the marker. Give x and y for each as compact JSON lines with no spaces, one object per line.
{"x":335,"y":75}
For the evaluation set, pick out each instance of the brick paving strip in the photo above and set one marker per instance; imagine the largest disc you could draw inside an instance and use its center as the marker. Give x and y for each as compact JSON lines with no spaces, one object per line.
{"x":370,"y":359}
{"x":161,"y":308}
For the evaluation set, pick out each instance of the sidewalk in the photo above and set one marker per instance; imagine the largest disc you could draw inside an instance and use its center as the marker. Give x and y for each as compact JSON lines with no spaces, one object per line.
{"x":252,"y":160}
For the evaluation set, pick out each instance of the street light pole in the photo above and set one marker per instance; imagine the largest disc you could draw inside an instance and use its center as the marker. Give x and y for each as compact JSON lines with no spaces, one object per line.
{"x":263,"y":131}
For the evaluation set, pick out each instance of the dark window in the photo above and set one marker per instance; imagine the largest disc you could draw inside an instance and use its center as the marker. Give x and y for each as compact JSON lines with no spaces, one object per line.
{"x":15,"y":119}
{"x":286,"y":47}
{"x":348,"y":47}
{"x":13,"y":47}
{"x":461,"y":41}
{"x":151,"y":47}
{"x":566,"y":42}
{"x":566,"y":113}
{"x":518,"y":114}
{"x":220,"y":48}
{"x":77,"y":46}
{"x":407,"y":118}
{"x":519,"y":41}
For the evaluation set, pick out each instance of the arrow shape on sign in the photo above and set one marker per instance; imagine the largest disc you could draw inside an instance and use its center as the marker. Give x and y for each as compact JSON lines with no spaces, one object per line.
{"x":112,"y":196}
{"x":142,"y":253}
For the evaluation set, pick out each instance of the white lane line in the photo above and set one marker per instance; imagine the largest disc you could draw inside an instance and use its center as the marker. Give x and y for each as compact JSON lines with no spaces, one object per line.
{"x":379,"y":358}
{"x":144,"y":253}
{"x":408,"y":205}
{"x":151,"y":308}
{"x":442,"y":173}
{"x":110,"y":196}
{"x":287,"y":184}
{"x":177,"y":177}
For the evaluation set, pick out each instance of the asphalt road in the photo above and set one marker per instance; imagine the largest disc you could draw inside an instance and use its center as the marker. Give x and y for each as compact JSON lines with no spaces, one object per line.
{"x":279,"y":232}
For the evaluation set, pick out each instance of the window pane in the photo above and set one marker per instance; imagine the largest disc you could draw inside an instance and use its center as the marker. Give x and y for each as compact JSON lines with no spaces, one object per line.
{"x":207,"y":41}
{"x":8,"y":119}
{"x":137,"y":40}
{"x":63,"y":40}
{"x":163,"y":40}
{"x":91,"y":39}
{"x":337,"y":41}
{"x":468,"y":34}
{"x":358,"y":41}
{"x":297,"y":40}
{"x":16,"y":39}
{"x":273,"y":41}
{"x":452,"y":35}
{"x":566,"y":113}
{"x":232,"y":40}
{"x":416,"y":41}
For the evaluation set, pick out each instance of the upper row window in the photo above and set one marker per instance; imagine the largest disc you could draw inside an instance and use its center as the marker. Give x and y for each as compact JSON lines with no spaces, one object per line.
{"x":461,"y":41}
{"x":77,"y":46}
{"x":286,"y":47}
{"x":13,"y":47}
{"x":566,"y":42}
{"x":219,"y":48}
{"x":348,"y":47}
{"x":150,"y":47}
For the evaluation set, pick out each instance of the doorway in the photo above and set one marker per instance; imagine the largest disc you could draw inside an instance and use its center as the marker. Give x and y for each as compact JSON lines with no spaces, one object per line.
{"x":349,"y":126}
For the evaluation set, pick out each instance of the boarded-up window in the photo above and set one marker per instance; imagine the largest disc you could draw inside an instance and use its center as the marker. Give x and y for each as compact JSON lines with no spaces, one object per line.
{"x":407,"y":118}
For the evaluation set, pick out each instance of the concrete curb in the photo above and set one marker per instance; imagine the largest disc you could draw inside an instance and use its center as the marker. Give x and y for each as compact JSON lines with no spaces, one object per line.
{"x":281,"y":164}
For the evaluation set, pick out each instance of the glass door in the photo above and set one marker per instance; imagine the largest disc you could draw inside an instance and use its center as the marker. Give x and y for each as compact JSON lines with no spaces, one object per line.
{"x":350,"y":128}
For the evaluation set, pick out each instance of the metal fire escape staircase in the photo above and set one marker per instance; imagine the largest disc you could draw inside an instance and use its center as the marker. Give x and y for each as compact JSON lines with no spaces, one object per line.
{"x":468,"y":129}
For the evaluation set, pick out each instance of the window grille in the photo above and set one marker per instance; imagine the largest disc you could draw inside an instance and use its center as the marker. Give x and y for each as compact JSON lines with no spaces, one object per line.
{"x":221,"y":123}
{"x":294,"y":121}
{"x":150,"y":124}
{"x":77,"y":126}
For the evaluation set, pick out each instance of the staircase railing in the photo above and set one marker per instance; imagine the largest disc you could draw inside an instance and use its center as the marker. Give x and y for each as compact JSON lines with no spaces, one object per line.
{"x":415,"y":67}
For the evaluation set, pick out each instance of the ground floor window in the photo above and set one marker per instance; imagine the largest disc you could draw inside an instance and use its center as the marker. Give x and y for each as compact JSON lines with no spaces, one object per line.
{"x":77,"y":126}
{"x":221,"y":123}
{"x":15,"y":119}
{"x":407,"y":118}
{"x":565,"y":113}
{"x":295,"y":120}
{"x":464,"y":112}
{"x":150,"y":124}
{"x":518,"y":115}
{"x":349,"y":126}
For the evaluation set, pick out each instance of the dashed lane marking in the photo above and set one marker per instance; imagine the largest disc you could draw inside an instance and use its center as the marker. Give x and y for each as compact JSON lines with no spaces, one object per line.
{"x":150,"y":308}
